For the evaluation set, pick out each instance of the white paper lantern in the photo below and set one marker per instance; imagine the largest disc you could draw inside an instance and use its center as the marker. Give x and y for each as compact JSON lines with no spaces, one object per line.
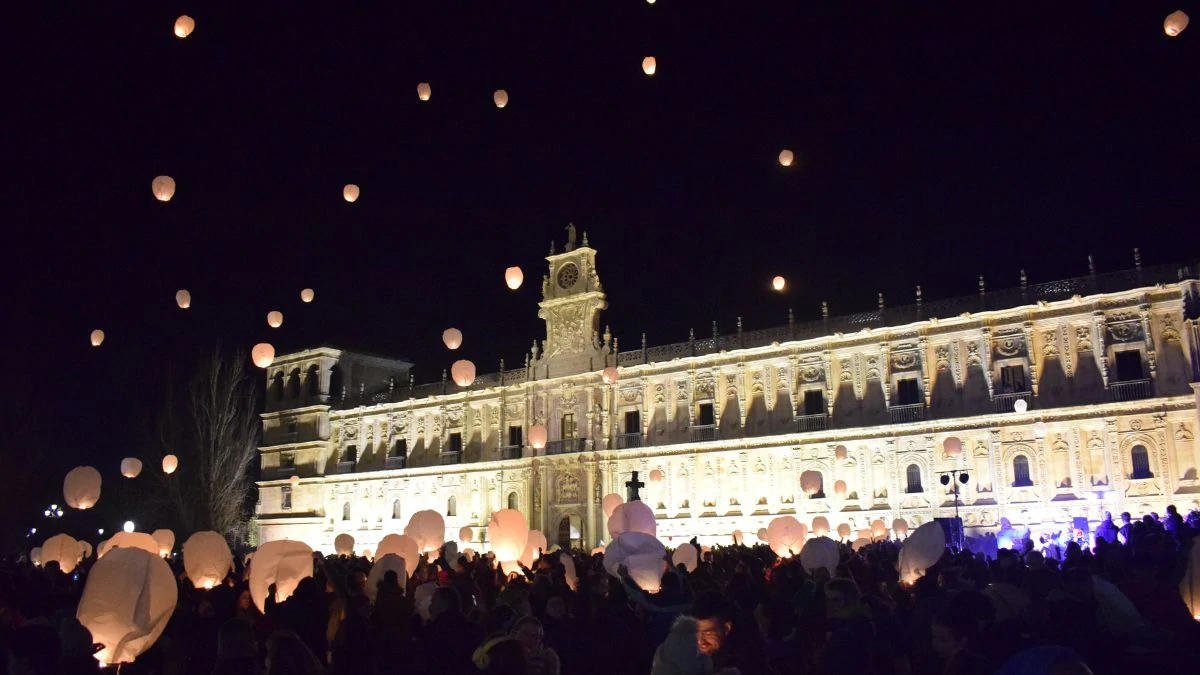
{"x":81,"y":487}
{"x":452,"y":338}
{"x":1020,"y":405}
{"x":63,"y":549}
{"x":343,"y":544}
{"x":403,"y":546}
{"x":274,"y":318}
{"x":779,"y":283}
{"x":165,"y":540}
{"x":610,"y":503}
{"x":138,"y":540}
{"x":633,"y":516}
{"x":839,"y":488}
{"x":762,"y":534}
{"x":785,"y":536}
{"x":686,"y":555}
{"x":500,"y":97}
{"x":184,"y":26}
{"x":922,"y":549}
{"x":538,"y":436}
{"x":878,"y":529}
{"x":840,"y":453}
{"x":843,"y":530}
{"x":129,"y":597}
{"x":283,"y":562}
{"x":183,"y":298}
{"x":1040,"y":429}
{"x":129,"y":527}
{"x":350,"y":192}
{"x":466,"y":534}
{"x":536,"y":541}
{"x":810,"y":482}
{"x":952,"y":447}
{"x":657,"y":476}
{"x":294,"y":480}
{"x":35,"y":556}
{"x":384,"y":564}
{"x":368,"y":554}
{"x":642,"y":555}
{"x":163,"y":188}
{"x":738,"y":538}
{"x":206,"y":559}
{"x":820,"y":526}
{"x":1175,"y":22}
{"x":424,"y":91}
{"x":463,"y":373}
{"x":263,"y":354}
{"x":786,"y":157}
{"x":649,"y":65}
{"x":508,"y":531}
{"x":859,"y":543}
{"x":820,"y":552}
{"x":307,"y":295}
{"x":85,"y":550}
{"x":428,"y":529}
{"x":899,"y":527}
{"x":1189,"y":586}
{"x":609,"y":375}
{"x":97,"y":337}
{"x":131,"y":467}
{"x":569,"y":571}
{"x":514,"y":277}
{"x":169,"y":464}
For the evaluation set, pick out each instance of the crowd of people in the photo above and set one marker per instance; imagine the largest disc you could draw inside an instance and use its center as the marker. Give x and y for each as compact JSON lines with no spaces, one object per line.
{"x":1103,"y":609}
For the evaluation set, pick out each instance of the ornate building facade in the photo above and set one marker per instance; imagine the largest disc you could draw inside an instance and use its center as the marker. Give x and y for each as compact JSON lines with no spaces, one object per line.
{"x":1106,"y":366}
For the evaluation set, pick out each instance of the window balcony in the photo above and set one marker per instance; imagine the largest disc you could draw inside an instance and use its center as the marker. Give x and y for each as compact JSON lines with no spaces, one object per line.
{"x":817,"y":422}
{"x":702,"y":433}
{"x":285,"y":471}
{"x":565,"y":446}
{"x":1003,"y":403}
{"x":346,"y":467}
{"x":900,"y":414}
{"x":285,"y":437}
{"x":395,"y":462}
{"x":510,"y":452}
{"x":451,"y":458}
{"x":1133,"y":390}
{"x":627,"y":441}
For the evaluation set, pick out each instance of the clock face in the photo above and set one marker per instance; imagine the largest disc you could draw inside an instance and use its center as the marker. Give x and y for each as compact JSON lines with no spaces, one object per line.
{"x":567,"y":276}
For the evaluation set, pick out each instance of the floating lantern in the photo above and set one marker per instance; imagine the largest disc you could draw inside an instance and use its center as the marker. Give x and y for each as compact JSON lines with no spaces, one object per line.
{"x":686,"y":555}
{"x":97,"y":337}
{"x":839,"y":488}
{"x":508,"y":532}
{"x":184,"y":26}
{"x":633,"y":516}
{"x":840,"y":453}
{"x":785,"y":536}
{"x":343,"y":544}
{"x":463,"y":373}
{"x":129,"y":597}
{"x":263,"y":354}
{"x":424,"y":91}
{"x":129,"y":527}
{"x":779,"y":283}
{"x":878,"y":528}
{"x":762,"y":534}
{"x":1189,"y":586}
{"x":163,"y":188}
{"x":1039,"y":429}
{"x":294,"y":480}
{"x":568,"y":564}
{"x":610,"y":503}
{"x":657,"y":476}
{"x":274,"y":318}
{"x":165,"y":540}
{"x":649,"y":65}
{"x":63,"y":549}
{"x":283,"y":563}
{"x":384,"y":564}
{"x":534,"y":544}
{"x":1175,"y":22}
{"x":738,"y":538}
{"x":843,"y":530}
{"x":859,"y":544}
{"x":1020,"y":405}
{"x":428,"y":529}
{"x":537,"y":436}
{"x":952,"y":447}
{"x":403,"y":546}
{"x":35,"y":556}
{"x":921,"y":551}
{"x":500,"y":98}
{"x":307,"y":295}
{"x":641,"y":554}
{"x":513,"y":277}
{"x":85,"y":550}
{"x":820,"y":552}
{"x":609,"y":375}
{"x":810,"y":482}
{"x":899,"y":527}
{"x":169,"y":464}
{"x":465,"y":534}
{"x":81,"y":487}
{"x":350,"y":192}
{"x":206,"y":559}
{"x":452,"y":338}
{"x":130,"y":539}
{"x":183,"y":298}
{"x":368,"y":554}
{"x":820,"y":526}
{"x":786,"y":157}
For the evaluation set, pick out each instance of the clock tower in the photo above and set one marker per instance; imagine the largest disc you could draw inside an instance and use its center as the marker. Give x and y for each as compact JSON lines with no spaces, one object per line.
{"x":572,"y":299}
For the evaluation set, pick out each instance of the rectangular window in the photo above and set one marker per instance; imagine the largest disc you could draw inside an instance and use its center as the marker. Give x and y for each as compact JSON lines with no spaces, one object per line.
{"x":287,"y":460}
{"x":292,"y":425}
{"x":1012,"y":380}
{"x":1129,"y":365}
{"x":515,"y":436}
{"x":568,"y":426}
{"x":814,"y":402}
{"x":285,"y":497}
{"x":400,"y":448}
{"x":633,"y":422}
{"x":705,"y":415}
{"x":455,"y":443}
{"x":350,"y":454}
{"x":908,"y":392}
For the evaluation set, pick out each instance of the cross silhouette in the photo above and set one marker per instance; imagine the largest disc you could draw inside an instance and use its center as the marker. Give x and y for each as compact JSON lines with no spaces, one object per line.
{"x":634,"y":484}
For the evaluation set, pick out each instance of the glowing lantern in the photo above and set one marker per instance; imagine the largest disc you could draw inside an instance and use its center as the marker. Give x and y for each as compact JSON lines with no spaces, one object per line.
{"x":384,"y":564}
{"x":685,"y":555}
{"x":368,"y":554}
{"x":169,"y":464}
{"x":508,"y":532}
{"x":568,"y":564}
{"x":263,"y":354}
{"x":632,"y":517}
{"x":500,"y":98}
{"x":129,"y":597}
{"x":63,"y":549}
{"x":97,"y":337}
{"x":130,"y":539}
{"x":641,"y":554}
{"x":1039,"y":429}
{"x":820,"y":526}
{"x":81,"y":487}
{"x":920,"y":551}
{"x":424,"y":91}
{"x":657,"y":476}
{"x":952,"y":447}
{"x":452,"y":338}
{"x":537,"y":436}
{"x":1020,"y":405}
{"x":839,"y":488}
{"x":350,"y":192}
{"x":85,"y":550}
{"x":1175,"y":22}
{"x":779,"y":283}
{"x":163,"y":188}
{"x":184,"y":26}
{"x":738,"y":538}
{"x":810,"y":482}
{"x":820,"y":552}
{"x":649,"y":65}
{"x":206,"y":559}
{"x":129,"y":527}
{"x":878,"y":528}
{"x":284,"y":563}
{"x":840,"y":453}
{"x":762,"y":534}
{"x":610,"y":503}
{"x":294,"y":480}
{"x":513,"y":277}
{"x":534,"y":543}
{"x":274,"y":318}
{"x":786,"y":157}
{"x":403,"y":546}
{"x":35,"y":556}
{"x":899,"y":527}
{"x":466,"y":534}
{"x":843,"y":530}
{"x":859,"y":544}
{"x":609,"y":375}
{"x":165,"y":540}
{"x":343,"y":544}
{"x":463,"y":373}
{"x":428,"y":529}
{"x":785,"y":536}
{"x":183,"y":298}
{"x":307,"y":295}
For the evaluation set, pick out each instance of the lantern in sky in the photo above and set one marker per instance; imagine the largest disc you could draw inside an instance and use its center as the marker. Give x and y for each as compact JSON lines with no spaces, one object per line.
{"x":384,"y":564}
{"x":513,"y":277}
{"x":206,"y":559}
{"x":786,"y":157}
{"x":1175,"y":22}
{"x":508,"y":532}
{"x":738,"y":537}
{"x":609,"y":375}
{"x":820,"y":526}
{"x":762,"y":534}
{"x":63,"y":549}
{"x":368,"y":554}
{"x":840,"y":453}
{"x":169,"y":464}
{"x":85,"y":550}
{"x":899,"y":526}
{"x":839,"y":488}
{"x":1020,"y":405}
{"x":424,"y":91}
{"x":952,"y":447}
{"x":129,"y":539}
{"x":1039,"y":429}
{"x":641,"y":554}
{"x":500,"y":97}
{"x":649,"y":65}
{"x":294,"y":480}
{"x":403,"y":546}
{"x":183,"y":298}
{"x":274,"y":318}
{"x":610,"y":503}
{"x":878,"y":529}
{"x":657,"y":476}
{"x":463,"y":373}
{"x":537,"y":436}
{"x":633,"y":516}
{"x":163,"y":188}
{"x":165,"y":540}
{"x":428,"y":529}
{"x":466,"y":534}
{"x":97,"y":337}
{"x":81,"y":487}
{"x":843,"y":530}
{"x":920,"y":551}
{"x":263,"y":354}
{"x":307,"y":295}
{"x":343,"y":544}
{"x":785,"y":536}
{"x":129,"y":597}
{"x":778,"y":283}
{"x":452,"y":338}
{"x":685,"y":555}
{"x":810,"y":482}
{"x":820,"y":552}
{"x":184,"y":26}
{"x":350,"y":192}
{"x":35,"y":556}
{"x":283,"y":562}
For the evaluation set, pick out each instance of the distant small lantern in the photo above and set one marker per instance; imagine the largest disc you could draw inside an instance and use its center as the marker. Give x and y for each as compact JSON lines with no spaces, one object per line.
{"x":294,"y":480}
{"x":465,"y":534}
{"x":274,"y":318}
{"x":840,"y":453}
{"x":878,"y":529}
{"x":307,"y":295}
{"x":649,"y":65}
{"x":424,"y":91}
{"x":463,"y":373}
{"x":537,"y":436}
{"x":779,"y":283}
{"x":183,"y":298}
{"x":263,"y":354}
{"x":170,"y":463}
{"x":184,"y":26}
{"x":657,"y":476}
{"x":810,"y":482}
{"x":501,"y":98}
{"x":513,"y":276}
{"x":952,"y":447}
{"x":131,"y":467}
{"x":81,"y":487}
{"x":899,"y":526}
{"x":609,"y":375}
{"x":839,"y":488}
{"x":163,"y":188}
{"x":1175,"y":22}
{"x":1039,"y":429}
{"x":97,"y":337}
{"x":786,"y":157}
{"x":762,"y":534}
{"x":350,"y":192}
{"x":820,"y":526}
{"x":452,"y":338}
{"x":843,"y":530}
{"x":1020,"y":405}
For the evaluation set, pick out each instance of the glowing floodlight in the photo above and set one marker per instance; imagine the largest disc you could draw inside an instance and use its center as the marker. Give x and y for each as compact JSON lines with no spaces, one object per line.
{"x":184,"y":26}
{"x":163,"y":188}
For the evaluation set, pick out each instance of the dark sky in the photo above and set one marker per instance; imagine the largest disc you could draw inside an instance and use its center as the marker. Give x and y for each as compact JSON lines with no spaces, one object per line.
{"x":936,"y":142}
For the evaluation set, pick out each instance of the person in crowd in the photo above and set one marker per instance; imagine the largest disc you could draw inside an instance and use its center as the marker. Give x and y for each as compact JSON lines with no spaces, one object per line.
{"x":1107,"y":529}
{"x":731,"y":642}
{"x":539,"y":659}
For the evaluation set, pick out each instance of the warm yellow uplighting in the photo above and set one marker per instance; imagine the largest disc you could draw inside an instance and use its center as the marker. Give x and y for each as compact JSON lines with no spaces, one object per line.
{"x":649,"y":65}
{"x":1175,"y":22}
{"x":163,"y":188}
{"x":350,"y":192}
{"x":501,"y":98}
{"x":424,"y":91}
{"x":786,"y":157}
{"x":184,"y":26}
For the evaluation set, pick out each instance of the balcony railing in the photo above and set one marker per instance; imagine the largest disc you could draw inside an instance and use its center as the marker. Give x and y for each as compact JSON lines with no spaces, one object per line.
{"x":704,"y":432}
{"x":565,"y":446}
{"x":816,"y":422}
{"x":286,"y":471}
{"x":286,"y":437}
{"x":899,"y":414}
{"x":395,"y":462}
{"x":1133,"y":390}
{"x":510,"y":452}
{"x":627,"y":441}
{"x":1003,"y":403}
{"x":346,"y":467}
{"x":451,"y":458}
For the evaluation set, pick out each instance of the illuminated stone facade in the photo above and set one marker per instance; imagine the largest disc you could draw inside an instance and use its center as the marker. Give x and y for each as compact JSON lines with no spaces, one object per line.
{"x":1107,"y":364}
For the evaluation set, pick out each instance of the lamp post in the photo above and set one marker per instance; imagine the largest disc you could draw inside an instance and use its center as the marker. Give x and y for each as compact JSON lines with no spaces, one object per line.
{"x":948,"y":477}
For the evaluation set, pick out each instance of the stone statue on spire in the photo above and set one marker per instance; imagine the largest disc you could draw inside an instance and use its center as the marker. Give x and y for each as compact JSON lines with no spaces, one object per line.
{"x":570,"y":237}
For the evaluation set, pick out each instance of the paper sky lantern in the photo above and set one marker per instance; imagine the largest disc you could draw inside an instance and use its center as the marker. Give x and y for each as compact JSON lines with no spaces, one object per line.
{"x":449,"y":551}
{"x":165,"y":540}
{"x":384,"y":564}
{"x":97,"y":337}
{"x":533,"y":543}
{"x":129,"y":527}
{"x":843,"y":530}
{"x":642,"y":554}
{"x":63,"y":549}
{"x":500,"y":97}
{"x":452,"y":338}
{"x":294,"y":480}
{"x":840,"y":453}
{"x":952,"y":447}
{"x":163,"y":188}
{"x":810,"y":482}
{"x":878,"y":528}
{"x":85,"y":550}
{"x":184,"y":26}
{"x":307,"y":295}
{"x":1020,"y":405}
{"x":169,"y":464}
{"x":820,"y":526}
{"x":424,"y":91}
{"x":899,"y":526}
{"x":508,"y":532}
{"x":738,"y":538}
{"x":785,"y":536}
{"x":786,"y":157}
{"x":283,"y":562}
{"x":263,"y":354}
{"x":274,"y":318}
{"x":343,"y":544}
{"x":463,"y":373}
{"x":609,"y":375}
{"x":1175,"y":22}
{"x":685,"y":555}
{"x":820,"y":552}
{"x":350,"y":192}
{"x":859,"y":543}
{"x":466,"y":534}
{"x":922,"y":549}
{"x":403,"y":546}
{"x":762,"y":534}
{"x":123,"y":539}
{"x":1040,"y":429}
{"x":428,"y":529}
{"x":368,"y":554}
{"x":610,"y":503}
{"x":865,"y":532}
{"x":129,"y":597}
{"x":537,"y":436}
{"x":206,"y":559}
{"x":839,"y":488}
{"x":632,"y":517}
{"x":568,"y":564}
{"x":657,"y":476}
{"x":81,"y":487}
{"x":183,"y":298}
{"x":513,"y":277}
{"x":649,"y":65}
{"x":35,"y":556}
{"x":778,"y":283}
{"x":1189,"y":586}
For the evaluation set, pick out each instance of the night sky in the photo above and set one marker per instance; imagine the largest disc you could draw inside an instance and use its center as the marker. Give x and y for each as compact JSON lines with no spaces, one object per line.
{"x":935,"y":142}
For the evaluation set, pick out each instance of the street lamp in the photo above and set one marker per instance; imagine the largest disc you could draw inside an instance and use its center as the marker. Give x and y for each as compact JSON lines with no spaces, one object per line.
{"x":948,"y":477}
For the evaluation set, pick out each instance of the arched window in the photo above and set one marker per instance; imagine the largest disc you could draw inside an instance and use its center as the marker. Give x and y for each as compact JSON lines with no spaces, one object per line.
{"x":346,"y":511}
{"x":512,"y":501}
{"x":1021,"y":476}
{"x":912,"y":477}
{"x":452,"y":506}
{"x":293,"y":384}
{"x":277,"y":386}
{"x":396,"y":509}
{"x":312,"y":380}
{"x":1139,"y":459}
